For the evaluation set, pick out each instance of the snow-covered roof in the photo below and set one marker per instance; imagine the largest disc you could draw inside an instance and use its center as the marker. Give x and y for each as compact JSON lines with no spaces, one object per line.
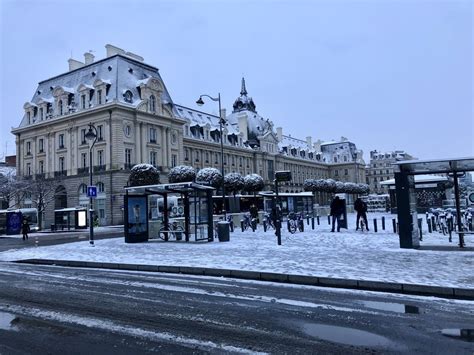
{"x":120,"y":73}
{"x":288,"y":141}
{"x":419,"y":179}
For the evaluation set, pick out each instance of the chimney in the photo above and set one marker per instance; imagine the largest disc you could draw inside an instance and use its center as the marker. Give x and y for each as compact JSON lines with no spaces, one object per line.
{"x":243,"y":127}
{"x":88,"y":58}
{"x":317,"y":145}
{"x":74,"y":64}
{"x":309,"y":141}
{"x":279,"y":134}
{"x":135,"y":56}
{"x":223,"y":113}
{"x":112,"y":50}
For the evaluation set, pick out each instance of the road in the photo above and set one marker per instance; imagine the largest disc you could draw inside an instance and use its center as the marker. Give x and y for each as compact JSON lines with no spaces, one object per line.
{"x":57,"y":310}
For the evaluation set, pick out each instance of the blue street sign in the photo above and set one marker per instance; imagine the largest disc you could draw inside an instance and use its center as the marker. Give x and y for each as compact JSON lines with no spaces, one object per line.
{"x":91,"y":191}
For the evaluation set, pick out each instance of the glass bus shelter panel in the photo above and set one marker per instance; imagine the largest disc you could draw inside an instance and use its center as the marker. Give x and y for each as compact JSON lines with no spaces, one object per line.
{"x":199,"y":215}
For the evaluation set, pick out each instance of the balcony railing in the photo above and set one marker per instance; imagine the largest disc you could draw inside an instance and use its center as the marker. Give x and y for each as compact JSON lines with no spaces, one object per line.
{"x":60,"y":173}
{"x":99,"y":168}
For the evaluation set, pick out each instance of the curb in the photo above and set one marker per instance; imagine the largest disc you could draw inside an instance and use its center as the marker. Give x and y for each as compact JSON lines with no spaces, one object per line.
{"x":378,"y":286}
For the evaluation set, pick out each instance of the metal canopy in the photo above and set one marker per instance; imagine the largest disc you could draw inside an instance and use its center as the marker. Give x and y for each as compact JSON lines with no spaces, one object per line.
{"x":167,"y":188}
{"x":436,"y":166}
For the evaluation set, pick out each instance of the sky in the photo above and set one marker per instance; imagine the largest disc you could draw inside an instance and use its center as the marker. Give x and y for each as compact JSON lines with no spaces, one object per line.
{"x":388,"y":75}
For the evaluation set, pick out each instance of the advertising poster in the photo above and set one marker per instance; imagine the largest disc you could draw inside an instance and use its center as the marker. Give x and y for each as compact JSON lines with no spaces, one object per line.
{"x":137,"y":221}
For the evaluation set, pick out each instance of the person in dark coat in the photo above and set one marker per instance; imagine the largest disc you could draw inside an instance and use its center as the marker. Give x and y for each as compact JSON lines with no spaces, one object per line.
{"x":337,"y":209}
{"x":361,"y":208}
{"x":25,"y":228}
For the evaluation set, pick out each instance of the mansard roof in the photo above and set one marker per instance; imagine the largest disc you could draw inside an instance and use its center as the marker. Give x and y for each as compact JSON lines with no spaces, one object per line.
{"x":120,"y":73}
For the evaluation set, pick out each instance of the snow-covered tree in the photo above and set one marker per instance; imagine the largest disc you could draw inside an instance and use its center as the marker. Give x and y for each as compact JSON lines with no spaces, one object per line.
{"x":253,"y":183}
{"x":144,"y":174}
{"x":210,"y":176}
{"x":329,"y":185}
{"x":233,"y":182}
{"x":340,"y":187}
{"x":309,"y":185}
{"x":181,"y":173}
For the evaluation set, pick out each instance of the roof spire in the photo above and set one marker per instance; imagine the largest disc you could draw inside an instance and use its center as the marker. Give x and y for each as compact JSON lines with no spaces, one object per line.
{"x":243,"y":91}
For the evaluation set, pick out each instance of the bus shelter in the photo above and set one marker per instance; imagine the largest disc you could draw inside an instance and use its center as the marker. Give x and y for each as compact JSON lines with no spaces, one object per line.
{"x":406,"y":195}
{"x":151,"y":210}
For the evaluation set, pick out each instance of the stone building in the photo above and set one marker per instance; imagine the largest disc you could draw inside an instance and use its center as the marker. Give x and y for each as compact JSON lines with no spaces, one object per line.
{"x":138,"y":122}
{"x":381,"y":169}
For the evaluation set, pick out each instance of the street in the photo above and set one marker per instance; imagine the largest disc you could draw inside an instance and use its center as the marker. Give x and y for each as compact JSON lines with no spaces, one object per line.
{"x":48,"y":309}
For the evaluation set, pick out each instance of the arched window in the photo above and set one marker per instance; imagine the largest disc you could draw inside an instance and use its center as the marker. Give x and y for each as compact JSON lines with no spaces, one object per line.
{"x":152,"y":103}
{"x":100,"y":187}
{"x":128,"y":96}
{"x":83,"y":189}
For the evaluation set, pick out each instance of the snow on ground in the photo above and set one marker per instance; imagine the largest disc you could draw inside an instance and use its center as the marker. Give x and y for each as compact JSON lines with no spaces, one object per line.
{"x":349,"y":254}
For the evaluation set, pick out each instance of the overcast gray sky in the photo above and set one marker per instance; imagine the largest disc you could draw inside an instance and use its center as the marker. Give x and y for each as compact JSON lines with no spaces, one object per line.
{"x":385,"y":74}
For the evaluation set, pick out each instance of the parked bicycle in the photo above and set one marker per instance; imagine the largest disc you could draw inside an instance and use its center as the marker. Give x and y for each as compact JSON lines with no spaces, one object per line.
{"x":295,"y":222}
{"x":268,"y":222}
{"x":172,"y":231}
{"x":248,"y":222}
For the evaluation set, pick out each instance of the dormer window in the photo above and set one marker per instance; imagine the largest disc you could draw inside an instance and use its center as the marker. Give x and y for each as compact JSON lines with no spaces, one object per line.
{"x":28,"y":117}
{"x":128,"y":96}
{"x":83,"y":102}
{"x":152,"y":103}
{"x":60,"y":107}
{"x":99,"y":97}
{"x":41,"y":114}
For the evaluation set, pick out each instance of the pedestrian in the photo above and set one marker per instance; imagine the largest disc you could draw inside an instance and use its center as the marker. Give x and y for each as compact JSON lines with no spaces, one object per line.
{"x":25,"y":228}
{"x":361,"y":208}
{"x":337,"y":209}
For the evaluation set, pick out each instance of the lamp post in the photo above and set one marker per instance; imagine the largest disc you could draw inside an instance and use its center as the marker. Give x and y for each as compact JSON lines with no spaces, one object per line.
{"x":91,"y":135}
{"x":200,"y":102}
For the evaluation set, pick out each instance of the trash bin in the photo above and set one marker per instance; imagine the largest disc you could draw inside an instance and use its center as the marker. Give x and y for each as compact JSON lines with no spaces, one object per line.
{"x":223,"y":231}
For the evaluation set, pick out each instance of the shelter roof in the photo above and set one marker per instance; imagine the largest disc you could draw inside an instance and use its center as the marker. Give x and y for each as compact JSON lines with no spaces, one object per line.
{"x":167,"y":188}
{"x":432,"y":166}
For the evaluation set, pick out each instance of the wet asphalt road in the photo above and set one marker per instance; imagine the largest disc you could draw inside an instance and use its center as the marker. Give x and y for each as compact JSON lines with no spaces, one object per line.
{"x":57,"y":310}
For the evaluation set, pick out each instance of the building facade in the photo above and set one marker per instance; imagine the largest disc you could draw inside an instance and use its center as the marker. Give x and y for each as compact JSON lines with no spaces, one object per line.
{"x":137,"y":122}
{"x":381,"y":169}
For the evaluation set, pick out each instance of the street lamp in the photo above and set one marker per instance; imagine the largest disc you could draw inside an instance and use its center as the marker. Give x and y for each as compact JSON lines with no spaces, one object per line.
{"x":200,"y":102}
{"x":91,"y":135}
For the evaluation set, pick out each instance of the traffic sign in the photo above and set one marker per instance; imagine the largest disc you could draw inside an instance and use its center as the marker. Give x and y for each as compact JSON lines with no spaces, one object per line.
{"x":92,"y":191}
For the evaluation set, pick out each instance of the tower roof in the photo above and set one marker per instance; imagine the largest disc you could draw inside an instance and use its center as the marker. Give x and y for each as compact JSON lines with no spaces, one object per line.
{"x":243,"y":102}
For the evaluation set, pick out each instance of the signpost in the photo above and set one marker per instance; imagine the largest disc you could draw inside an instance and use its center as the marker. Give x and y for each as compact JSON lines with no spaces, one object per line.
{"x":280,"y":176}
{"x":92,"y":191}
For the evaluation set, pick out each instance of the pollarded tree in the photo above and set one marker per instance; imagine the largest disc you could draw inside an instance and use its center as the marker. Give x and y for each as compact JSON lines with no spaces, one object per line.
{"x":253,"y":183}
{"x":233,"y":182}
{"x":181,"y":173}
{"x":210,"y":176}
{"x":144,"y":174}
{"x":340,"y":187}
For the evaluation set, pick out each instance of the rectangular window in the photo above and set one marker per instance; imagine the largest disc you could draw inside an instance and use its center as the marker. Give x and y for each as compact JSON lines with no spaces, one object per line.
{"x":336,"y":173}
{"x":28,"y":148}
{"x":152,"y":135}
{"x":100,"y":157}
{"x":83,"y":136}
{"x":61,"y":141}
{"x":28,"y":169}
{"x":128,"y":156}
{"x":346,"y":172}
{"x":83,"y":160}
{"x":83,"y":101}
{"x":174,"y":160}
{"x":186,"y":154}
{"x":41,"y":167}
{"x":207,"y":157}
{"x":99,"y":97}
{"x":153,"y":158}
{"x":41,"y":145}
{"x":100,"y":133}
{"x":61,"y":164}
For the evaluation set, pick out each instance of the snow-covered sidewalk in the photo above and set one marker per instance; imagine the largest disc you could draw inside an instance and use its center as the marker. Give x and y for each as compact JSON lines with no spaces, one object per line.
{"x":349,"y":254}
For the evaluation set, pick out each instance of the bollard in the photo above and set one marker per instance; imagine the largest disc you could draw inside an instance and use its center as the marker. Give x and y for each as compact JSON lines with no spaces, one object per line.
{"x":301,"y":225}
{"x":317,"y":219}
{"x":264,"y":226}
{"x":329,"y":219}
{"x":242,"y":225}
{"x":307,"y":219}
{"x":312,"y":223}
{"x":433,"y":224}
{"x":398,"y":228}
{"x":429,"y":225}
{"x":231,"y":225}
{"x":278,"y":231}
{"x":383,"y":222}
{"x":470,"y":225}
{"x":394,"y":225}
{"x":420,"y":227}
{"x":375,"y":225}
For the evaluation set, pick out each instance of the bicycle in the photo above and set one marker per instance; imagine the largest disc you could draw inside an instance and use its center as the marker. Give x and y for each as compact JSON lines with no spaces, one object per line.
{"x":248,"y":222}
{"x":173,"y":231}
{"x":295,"y":222}
{"x":268,"y":222}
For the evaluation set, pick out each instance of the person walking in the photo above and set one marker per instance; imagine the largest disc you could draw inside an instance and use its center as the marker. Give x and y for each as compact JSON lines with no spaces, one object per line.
{"x":25,"y":228}
{"x":337,"y":209}
{"x":361,"y":209}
